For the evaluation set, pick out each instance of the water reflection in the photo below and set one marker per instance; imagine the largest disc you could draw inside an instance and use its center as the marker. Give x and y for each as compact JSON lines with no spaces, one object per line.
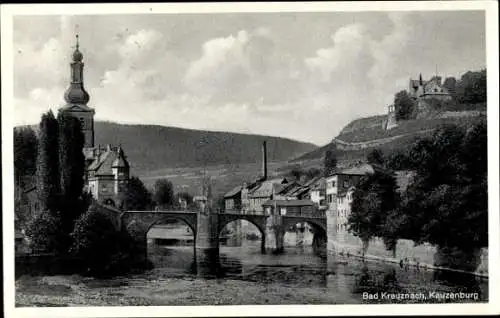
{"x":301,"y":267}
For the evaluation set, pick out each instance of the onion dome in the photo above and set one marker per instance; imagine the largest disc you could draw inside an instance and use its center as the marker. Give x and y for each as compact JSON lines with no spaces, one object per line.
{"x":76,"y":94}
{"x":77,"y":56}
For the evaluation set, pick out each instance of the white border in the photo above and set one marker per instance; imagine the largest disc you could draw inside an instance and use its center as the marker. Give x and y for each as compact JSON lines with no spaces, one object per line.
{"x":7,"y":12}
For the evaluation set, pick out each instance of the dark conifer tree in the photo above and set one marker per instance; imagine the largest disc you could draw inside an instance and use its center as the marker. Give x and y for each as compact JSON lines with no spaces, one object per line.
{"x":48,"y":178}
{"x":72,"y":166}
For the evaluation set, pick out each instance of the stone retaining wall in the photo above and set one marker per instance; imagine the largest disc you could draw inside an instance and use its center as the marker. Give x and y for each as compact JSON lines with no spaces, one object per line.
{"x":407,"y":254}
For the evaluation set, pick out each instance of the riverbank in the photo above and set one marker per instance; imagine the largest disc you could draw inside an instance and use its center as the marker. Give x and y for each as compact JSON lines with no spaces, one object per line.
{"x":169,"y":291}
{"x":407,"y":255}
{"x":415,"y":264}
{"x":298,"y":276}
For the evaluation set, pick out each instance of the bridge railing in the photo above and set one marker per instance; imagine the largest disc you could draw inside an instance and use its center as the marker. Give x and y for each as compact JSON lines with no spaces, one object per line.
{"x":308,"y":214}
{"x":235,"y":211}
{"x":317,"y":214}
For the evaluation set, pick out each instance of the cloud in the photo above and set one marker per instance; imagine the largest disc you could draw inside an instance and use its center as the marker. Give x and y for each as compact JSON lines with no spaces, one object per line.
{"x":350,"y":45}
{"x":38,"y":66}
{"x":245,"y":73}
{"x":222,"y":66}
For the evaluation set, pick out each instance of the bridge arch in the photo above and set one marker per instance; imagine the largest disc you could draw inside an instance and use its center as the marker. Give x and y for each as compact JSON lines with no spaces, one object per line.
{"x":138,"y":223}
{"x":226,"y":221}
{"x":258,"y":220}
{"x":319,"y":226}
{"x":192,"y":227}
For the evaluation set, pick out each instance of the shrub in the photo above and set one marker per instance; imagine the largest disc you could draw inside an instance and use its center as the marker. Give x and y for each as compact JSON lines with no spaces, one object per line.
{"x":98,"y":243}
{"x":44,"y":232}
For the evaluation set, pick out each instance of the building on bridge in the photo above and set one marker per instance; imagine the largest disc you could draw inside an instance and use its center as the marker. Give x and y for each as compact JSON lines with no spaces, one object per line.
{"x":107,"y":169}
{"x":289,"y":207}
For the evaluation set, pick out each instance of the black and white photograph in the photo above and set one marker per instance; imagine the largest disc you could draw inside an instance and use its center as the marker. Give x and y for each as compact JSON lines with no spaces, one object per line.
{"x":188,"y":159}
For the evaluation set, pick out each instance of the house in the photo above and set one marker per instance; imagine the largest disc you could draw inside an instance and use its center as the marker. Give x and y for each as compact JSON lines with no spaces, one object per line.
{"x":431,"y":89}
{"x":232,"y":199}
{"x":291,"y":191}
{"x":289,"y":207}
{"x":341,"y":186}
{"x":338,"y":184}
{"x":263,"y":192}
{"x":317,"y":192}
{"x":108,"y":174}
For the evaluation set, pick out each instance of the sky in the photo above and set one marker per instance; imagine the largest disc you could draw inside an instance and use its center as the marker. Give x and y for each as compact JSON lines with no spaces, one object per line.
{"x":302,"y":75}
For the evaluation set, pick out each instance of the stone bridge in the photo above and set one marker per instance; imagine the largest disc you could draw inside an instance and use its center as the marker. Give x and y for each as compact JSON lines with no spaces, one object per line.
{"x":206,"y":226}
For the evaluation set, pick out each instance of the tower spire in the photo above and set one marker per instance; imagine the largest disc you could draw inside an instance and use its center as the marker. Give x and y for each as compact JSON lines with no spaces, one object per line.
{"x":76,"y":93}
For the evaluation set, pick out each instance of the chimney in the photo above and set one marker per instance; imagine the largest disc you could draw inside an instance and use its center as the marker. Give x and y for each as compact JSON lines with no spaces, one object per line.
{"x":264,"y":160}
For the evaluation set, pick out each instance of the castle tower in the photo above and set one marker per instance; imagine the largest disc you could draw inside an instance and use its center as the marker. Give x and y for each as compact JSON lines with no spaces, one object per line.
{"x":76,"y":98}
{"x":121,"y":170}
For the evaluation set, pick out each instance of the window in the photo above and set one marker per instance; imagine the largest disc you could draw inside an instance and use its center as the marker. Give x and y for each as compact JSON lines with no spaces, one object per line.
{"x":333,"y":184}
{"x":346,"y":184}
{"x":82,"y":122}
{"x":283,"y":211}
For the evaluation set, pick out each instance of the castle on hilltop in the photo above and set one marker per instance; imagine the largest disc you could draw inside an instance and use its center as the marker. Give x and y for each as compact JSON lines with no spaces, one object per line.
{"x":106,"y":167}
{"x":422,"y":92}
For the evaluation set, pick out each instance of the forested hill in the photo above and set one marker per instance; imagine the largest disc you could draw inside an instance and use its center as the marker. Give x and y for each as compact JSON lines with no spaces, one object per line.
{"x":151,"y":147}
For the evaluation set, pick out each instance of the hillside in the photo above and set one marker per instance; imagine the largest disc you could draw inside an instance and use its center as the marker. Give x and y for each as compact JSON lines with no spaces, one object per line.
{"x":151,"y":148}
{"x":362,"y":135}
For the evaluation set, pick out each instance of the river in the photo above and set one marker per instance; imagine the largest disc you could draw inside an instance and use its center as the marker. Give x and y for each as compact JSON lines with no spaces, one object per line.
{"x":244,"y":276}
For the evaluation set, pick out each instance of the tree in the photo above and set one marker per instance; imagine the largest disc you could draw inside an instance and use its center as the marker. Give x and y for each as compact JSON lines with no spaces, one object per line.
{"x":96,"y":242}
{"x":375,"y":157}
{"x":450,"y":84}
{"x":330,"y":160}
{"x":471,"y":89}
{"x":25,"y":156}
{"x":48,"y":177}
{"x":25,"y":153}
{"x":163,"y":193}
{"x":44,"y":232}
{"x":374,"y":200}
{"x":72,"y":168}
{"x":446,"y":204}
{"x":135,"y":196}
{"x":404,"y":105}
{"x":398,"y":160}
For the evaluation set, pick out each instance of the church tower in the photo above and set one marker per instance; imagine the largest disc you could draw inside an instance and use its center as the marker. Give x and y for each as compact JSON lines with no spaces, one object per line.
{"x":76,"y":98}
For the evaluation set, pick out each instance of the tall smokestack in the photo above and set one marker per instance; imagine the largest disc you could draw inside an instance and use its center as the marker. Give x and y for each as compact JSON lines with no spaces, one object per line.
{"x":264,"y":160}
